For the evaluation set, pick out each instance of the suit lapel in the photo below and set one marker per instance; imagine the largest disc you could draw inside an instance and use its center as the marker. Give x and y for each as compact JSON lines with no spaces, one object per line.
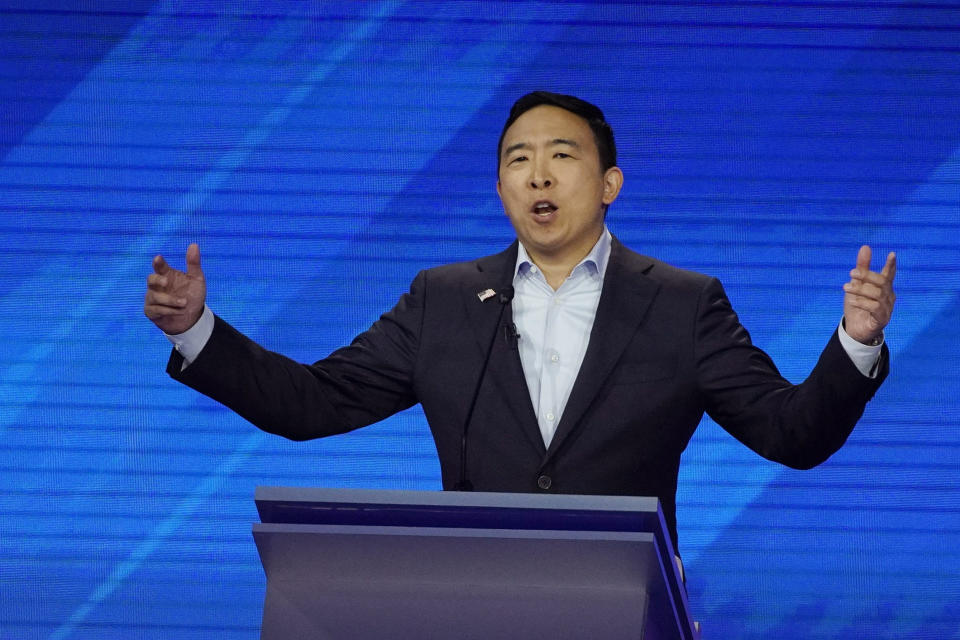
{"x":505,"y":369}
{"x":626,"y":295}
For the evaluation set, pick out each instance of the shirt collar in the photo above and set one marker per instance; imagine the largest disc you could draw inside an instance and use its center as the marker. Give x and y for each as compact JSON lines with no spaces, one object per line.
{"x":595,"y":261}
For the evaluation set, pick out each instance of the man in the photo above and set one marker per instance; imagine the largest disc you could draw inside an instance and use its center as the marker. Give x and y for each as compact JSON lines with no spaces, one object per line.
{"x":608,"y":359}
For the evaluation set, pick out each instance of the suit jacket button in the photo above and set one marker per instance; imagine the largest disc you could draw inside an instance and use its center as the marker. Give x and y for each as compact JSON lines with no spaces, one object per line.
{"x":544,"y":482}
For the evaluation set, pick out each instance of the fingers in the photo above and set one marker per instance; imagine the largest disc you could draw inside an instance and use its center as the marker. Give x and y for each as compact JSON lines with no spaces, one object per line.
{"x":870,"y":305}
{"x":862,"y":271}
{"x":864,"y":288}
{"x":157,"y":311}
{"x":863,"y":259}
{"x":871,"y":277}
{"x":164,"y":299}
{"x":156,"y":281}
{"x":193,"y":260}
{"x":174,"y":299}
{"x":871,"y":285}
{"x":160,"y":304}
{"x":157,"y":286}
{"x":160,"y":265}
{"x":869,"y":297}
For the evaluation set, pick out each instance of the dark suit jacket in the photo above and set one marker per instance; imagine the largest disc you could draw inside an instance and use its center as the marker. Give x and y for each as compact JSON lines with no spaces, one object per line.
{"x":666,"y":346}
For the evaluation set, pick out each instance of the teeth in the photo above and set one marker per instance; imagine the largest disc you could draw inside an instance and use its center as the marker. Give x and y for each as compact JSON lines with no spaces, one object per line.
{"x":543,"y":208}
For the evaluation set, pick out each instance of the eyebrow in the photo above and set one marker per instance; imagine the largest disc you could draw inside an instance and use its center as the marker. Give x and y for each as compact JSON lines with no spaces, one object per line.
{"x":554,"y":142}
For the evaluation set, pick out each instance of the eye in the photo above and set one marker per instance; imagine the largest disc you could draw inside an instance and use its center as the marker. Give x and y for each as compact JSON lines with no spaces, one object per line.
{"x":517,"y":159}
{"x":561,"y":154}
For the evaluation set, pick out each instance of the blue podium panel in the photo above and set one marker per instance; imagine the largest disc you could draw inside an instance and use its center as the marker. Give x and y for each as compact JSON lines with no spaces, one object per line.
{"x":364,"y":564}
{"x":348,"y":583}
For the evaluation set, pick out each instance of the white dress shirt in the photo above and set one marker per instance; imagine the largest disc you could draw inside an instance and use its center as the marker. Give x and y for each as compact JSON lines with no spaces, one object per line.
{"x":554,"y":328}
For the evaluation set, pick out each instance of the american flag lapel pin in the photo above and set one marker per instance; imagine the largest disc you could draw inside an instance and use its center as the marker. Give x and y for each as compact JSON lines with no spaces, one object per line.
{"x":486,"y":293}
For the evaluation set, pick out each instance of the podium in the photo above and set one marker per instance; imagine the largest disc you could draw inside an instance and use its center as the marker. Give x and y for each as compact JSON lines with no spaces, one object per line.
{"x":347,"y":564}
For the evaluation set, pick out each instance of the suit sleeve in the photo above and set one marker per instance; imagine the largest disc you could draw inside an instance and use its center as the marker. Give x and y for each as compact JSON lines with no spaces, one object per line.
{"x":797,"y":425}
{"x":357,"y":385}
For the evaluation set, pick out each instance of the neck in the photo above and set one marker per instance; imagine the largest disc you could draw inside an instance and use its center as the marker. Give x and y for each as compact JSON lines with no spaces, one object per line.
{"x":556,"y":268}
{"x":555,"y":275}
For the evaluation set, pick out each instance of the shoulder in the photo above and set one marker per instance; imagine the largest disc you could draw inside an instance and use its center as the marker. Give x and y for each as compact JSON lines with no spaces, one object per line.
{"x":493,"y":270}
{"x":635,"y":265}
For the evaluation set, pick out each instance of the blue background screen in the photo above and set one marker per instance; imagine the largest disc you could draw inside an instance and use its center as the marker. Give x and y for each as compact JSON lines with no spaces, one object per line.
{"x":322,"y":153}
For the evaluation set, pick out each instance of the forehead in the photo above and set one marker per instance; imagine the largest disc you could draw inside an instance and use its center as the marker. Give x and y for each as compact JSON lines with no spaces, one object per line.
{"x":547,"y":122}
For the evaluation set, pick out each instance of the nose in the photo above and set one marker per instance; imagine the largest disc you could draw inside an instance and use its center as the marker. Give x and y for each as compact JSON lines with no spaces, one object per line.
{"x":540,"y":183}
{"x":541,"y":178}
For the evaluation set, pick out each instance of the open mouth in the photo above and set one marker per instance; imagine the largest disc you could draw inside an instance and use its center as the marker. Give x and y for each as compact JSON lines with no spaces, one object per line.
{"x":543,"y":208}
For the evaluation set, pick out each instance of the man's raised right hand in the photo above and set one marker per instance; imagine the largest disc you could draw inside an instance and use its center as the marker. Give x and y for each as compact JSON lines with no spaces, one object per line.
{"x":174,"y":300}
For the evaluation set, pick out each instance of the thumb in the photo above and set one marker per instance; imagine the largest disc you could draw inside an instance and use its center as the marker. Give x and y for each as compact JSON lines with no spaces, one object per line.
{"x":863,"y":259}
{"x":890,"y":268}
{"x":193,"y":260}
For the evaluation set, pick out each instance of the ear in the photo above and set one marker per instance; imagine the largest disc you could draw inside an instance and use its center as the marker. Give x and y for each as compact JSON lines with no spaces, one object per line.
{"x":612,"y":181}
{"x":499,"y":195}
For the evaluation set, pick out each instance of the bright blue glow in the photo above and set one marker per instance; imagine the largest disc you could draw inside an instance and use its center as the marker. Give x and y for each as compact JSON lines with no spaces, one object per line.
{"x":323,"y":153}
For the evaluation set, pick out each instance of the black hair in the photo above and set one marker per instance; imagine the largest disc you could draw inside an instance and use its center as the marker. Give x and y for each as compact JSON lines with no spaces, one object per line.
{"x":602,"y":133}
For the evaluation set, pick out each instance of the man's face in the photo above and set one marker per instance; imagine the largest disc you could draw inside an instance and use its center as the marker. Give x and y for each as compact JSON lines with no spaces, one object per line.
{"x":552,"y":186}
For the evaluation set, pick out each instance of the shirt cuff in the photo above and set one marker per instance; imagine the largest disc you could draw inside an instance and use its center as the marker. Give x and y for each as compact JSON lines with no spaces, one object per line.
{"x":864,"y":357}
{"x":191,"y":342}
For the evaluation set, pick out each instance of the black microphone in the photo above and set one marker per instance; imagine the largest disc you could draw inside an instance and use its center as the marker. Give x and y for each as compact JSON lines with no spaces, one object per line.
{"x":510,"y":334}
{"x":504,"y":297}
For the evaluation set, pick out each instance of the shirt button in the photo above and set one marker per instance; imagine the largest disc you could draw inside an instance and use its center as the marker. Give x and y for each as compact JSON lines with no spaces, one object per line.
{"x":550,"y":417}
{"x":544,"y":482}
{"x":554,"y":358}
{"x":533,"y":268}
